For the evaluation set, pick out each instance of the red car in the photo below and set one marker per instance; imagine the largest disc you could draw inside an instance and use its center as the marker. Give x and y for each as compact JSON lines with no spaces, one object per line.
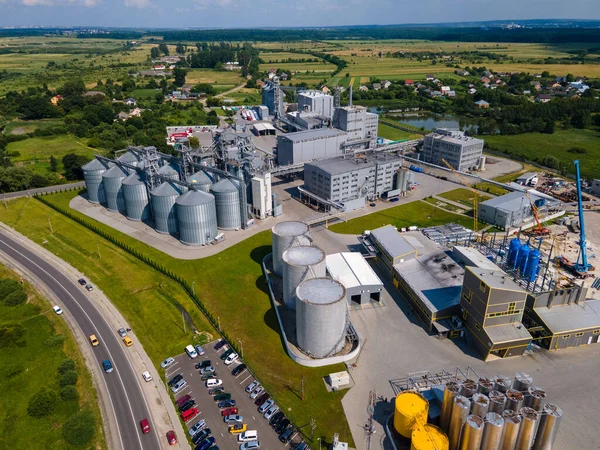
{"x":145,"y":426}
{"x":182,"y":400}
{"x":171,"y":438}
{"x":189,"y":414}
{"x":229,"y":412}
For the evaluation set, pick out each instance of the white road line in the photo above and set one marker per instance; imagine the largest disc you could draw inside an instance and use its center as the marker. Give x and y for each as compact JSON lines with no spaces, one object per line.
{"x":245,"y":379}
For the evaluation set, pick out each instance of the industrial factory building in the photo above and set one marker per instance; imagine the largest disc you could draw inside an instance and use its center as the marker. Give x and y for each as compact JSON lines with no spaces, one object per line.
{"x":362,"y":284}
{"x":360,"y":125}
{"x":460,"y":151}
{"x":310,"y":145}
{"x":515,"y":208}
{"x":270,"y":97}
{"x":315,"y":102}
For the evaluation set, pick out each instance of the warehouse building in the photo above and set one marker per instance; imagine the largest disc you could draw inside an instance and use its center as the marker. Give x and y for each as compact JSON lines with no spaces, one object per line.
{"x":460,"y":151}
{"x":390,"y":248}
{"x":315,"y":102}
{"x":360,"y":125}
{"x":514,"y":208}
{"x":311,"y":145}
{"x":362,"y":284}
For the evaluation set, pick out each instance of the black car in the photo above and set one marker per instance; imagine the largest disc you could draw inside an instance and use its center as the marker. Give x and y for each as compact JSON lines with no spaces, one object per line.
{"x":263,"y":398}
{"x":187,"y":405}
{"x":222,"y":397}
{"x":201,"y":435}
{"x":176,"y":379}
{"x":226,"y":404}
{"x":203,"y":364}
{"x":226,"y":353}
{"x":282,"y":426}
{"x":287,"y":434}
{"x":219,"y":345}
{"x":82,"y":281}
{"x":239,"y":369}
{"x":277,"y":417}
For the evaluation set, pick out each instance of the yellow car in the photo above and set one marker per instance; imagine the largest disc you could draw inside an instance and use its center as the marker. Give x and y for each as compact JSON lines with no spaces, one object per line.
{"x":237,"y":428}
{"x":94,"y":340}
{"x":127,"y":341}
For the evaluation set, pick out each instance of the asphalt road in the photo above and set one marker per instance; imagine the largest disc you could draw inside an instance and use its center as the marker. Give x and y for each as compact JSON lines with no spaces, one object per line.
{"x":59,"y":187}
{"x":126,"y":398}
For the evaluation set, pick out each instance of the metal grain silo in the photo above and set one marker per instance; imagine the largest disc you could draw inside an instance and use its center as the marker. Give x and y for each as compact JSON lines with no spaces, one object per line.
{"x":472,"y":433}
{"x":163,"y":199}
{"x":460,"y":412}
{"x":492,"y":431}
{"x":480,"y":404}
{"x":286,"y":234}
{"x":112,"y":180}
{"x":450,"y":391}
{"x":522,"y":381}
{"x":428,"y":437}
{"x":410,"y":411}
{"x":529,"y":419}
{"x":170,"y":171}
{"x":485,"y":385}
{"x":546,"y":434}
{"x":227,"y":199}
{"x":130,"y":158}
{"x":535,"y":398}
{"x":502,"y":383}
{"x":202,"y":180}
{"x":299,"y":264}
{"x":497,"y":401}
{"x":321,"y":316}
{"x":512,"y":425}
{"x":136,"y":197}
{"x":196,"y":218}
{"x":468,"y":388}
{"x":514,"y":399}
{"x":92,"y":174}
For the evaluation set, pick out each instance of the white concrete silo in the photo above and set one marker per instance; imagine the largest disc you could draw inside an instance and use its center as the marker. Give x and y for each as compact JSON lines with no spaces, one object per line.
{"x":286,"y":234}
{"x":300,"y":263}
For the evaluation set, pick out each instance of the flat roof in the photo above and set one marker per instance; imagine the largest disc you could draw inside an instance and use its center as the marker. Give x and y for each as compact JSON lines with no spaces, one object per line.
{"x":473,"y":257}
{"x":263,"y":126}
{"x":514,"y":201}
{"x":312,"y":134}
{"x":392,"y":242}
{"x":508,"y":332}
{"x":352,"y":270}
{"x":573,"y":317}
{"x":339,"y":164}
{"x":496,"y":279}
{"x":456,"y":140}
{"x":527,"y":175}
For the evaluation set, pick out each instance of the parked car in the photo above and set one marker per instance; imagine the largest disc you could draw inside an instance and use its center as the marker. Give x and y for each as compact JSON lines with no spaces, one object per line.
{"x":252,"y":386}
{"x":287,"y":435}
{"x":372,"y":204}
{"x":233,"y":419}
{"x":199,"y":349}
{"x":231,"y":359}
{"x":266,"y":405}
{"x":203,"y":364}
{"x":394,"y":200}
{"x":167,"y":362}
{"x":146,"y":375}
{"x":189,"y":414}
{"x":238,"y":370}
{"x":226,"y":354}
{"x":229,"y":412}
{"x":252,"y":445}
{"x":171,"y":438}
{"x":207,"y":369}
{"x":206,"y":444}
{"x":57,"y":309}
{"x":197,"y":427}
{"x":219,"y":345}
{"x":187,"y":405}
{"x":181,"y":400}
{"x":222,"y":397}
{"x":256,"y":392}
{"x":226,"y":404}
{"x":82,"y":281}
{"x":216,"y":391}
{"x":176,"y":379}
{"x":179,"y":386}
{"x":145,"y":426}
{"x":247,"y":436}
{"x":200,"y":436}
{"x":127,"y":341}
{"x":303,"y":446}
{"x":108,"y":367}
{"x":277,"y":417}
{"x":237,"y":428}
{"x":282,"y":425}
{"x":213,"y":383}
{"x":208,"y":375}
{"x":89,"y":287}
{"x":263,"y":398}
{"x":122,"y":332}
{"x":271,"y":412}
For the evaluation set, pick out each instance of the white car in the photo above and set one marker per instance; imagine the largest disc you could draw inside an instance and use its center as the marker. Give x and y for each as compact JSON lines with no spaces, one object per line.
{"x":266,"y":405}
{"x":256,"y":392}
{"x":252,"y":386}
{"x":167,"y":362}
{"x":213,"y":383}
{"x":231,"y":359}
{"x":271,"y":412}
{"x":146,"y":375}
{"x":57,"y":309}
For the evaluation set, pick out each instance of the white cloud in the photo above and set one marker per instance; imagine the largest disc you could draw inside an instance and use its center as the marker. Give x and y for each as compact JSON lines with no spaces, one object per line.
{"x":88,"y":3}
{"x":138,"y":3}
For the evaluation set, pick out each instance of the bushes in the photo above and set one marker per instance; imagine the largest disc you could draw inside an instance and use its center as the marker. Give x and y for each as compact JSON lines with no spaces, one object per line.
{"x":15,"y":298}
{"x":69,"y":394}
{"x":42,"y":403}
{"x":12,"y":370}
{"x":79,"y":429}
{"x":8,"y":286}
{"x":12,"y":334}
{"x":55,"y":341}
{"x":69,"y":378}
{"x":66,"y":365}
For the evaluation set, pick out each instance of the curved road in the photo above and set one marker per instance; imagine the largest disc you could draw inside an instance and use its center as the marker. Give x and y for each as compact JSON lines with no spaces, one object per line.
{"x":126,"y":398}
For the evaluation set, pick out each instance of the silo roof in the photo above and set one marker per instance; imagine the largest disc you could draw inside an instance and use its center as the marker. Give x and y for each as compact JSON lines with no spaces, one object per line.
{"x":167,"y":169}
{"x":115,"y":172}
{"x":304,"y":255}
{"x":200,"y":178}
{"x":194,"y":198}
{"x":165,"y":190}
{"x":320,"y":291}
{"x":291,"y":228}
{"x":94,"y":164}
{"x":225,"y":185}
{"x":133,"y":179}
{"x":128,"y":156}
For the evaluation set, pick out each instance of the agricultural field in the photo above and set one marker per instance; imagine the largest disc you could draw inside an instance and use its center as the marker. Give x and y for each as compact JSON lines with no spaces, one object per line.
{"x":226,"y":77}
{"x":300,"y":66}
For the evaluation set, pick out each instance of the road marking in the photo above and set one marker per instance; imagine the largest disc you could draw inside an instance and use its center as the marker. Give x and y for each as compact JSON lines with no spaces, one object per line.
{"x":245,"y":379}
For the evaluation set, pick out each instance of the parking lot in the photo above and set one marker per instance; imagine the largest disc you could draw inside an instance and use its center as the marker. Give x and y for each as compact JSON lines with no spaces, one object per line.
{"x":207,"y":406}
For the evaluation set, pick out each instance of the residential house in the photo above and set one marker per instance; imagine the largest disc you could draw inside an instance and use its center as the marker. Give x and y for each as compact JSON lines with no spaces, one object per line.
{"x":272,"y":73}
{"x":283,"y":76}
{"x":536,"y":85}
{"x":232,"y":65}
{"x":159,"y":67}
{"x":462,"y":73}
{"x":363,"y":88}
{"x":136,"y":112}
{"x":472,"y":91}
{"x":494,"y":86}
{"x":487,"y":73}
{"x":526,"y":92}
{"x":429,"y":77}
{"x":451,"y":94}
{"x":130,"y":101}
{"x":409,"y":83}
{"x":176,"y":94}
{"x":445,"y":90}
{"x":435,"y":94}
{"x":482,"y":104}
{"x":376,"y":86}
{"x":486,"y":85}
{"x":561,"y":79}
{"x":537,"y":75}
{"x":56,"y":99}
{"x":325,"y":90}
{"x":555,"y":85}
{"x":386,"y":84}
{"x":122,"y":116}
{"x":543,"y":98}
{"x":502,"y":74}
{"x":485,"y":80}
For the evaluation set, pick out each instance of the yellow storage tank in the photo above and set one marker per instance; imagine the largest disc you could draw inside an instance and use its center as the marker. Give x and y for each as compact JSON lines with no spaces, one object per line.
{"x":411,"y":410}
{"x":428,"y":437}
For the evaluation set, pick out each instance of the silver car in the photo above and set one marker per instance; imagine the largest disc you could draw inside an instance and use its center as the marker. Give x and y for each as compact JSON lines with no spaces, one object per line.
{"x":256,"y":392}
{"x":209,"y":369}
{"x":233,"y":419}
{"x":252,"y":386}
{"x":266,"y":405}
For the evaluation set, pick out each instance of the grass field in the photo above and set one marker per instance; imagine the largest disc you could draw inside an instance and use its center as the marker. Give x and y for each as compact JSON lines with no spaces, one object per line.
{"x":36,"y":365}
{"x":421,"y":214}
{"x":441,"y":204}
{"x":491,"y":188}
{"x":236,"y":294}
{"x":29,"y":126}
{"x":195,"y":76}
{"x":387,"y":132}
{"x":145,"y":94}
{"x":463,"y":196}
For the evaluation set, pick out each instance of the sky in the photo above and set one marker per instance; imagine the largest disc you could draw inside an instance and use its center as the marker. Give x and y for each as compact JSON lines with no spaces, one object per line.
{"x":280,"y":13}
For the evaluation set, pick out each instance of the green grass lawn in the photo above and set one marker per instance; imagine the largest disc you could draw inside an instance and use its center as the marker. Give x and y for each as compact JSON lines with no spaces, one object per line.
{"x":237,"y":294}
{"x":491,"y":188}
{"x":29,"y":126}
{"x":421,"y":214}
{"x":441,"y":204}
{"x":387,"y":132}
{"x":145,"y":94}
{"x":36,"y":364}
{"x":463,"y":196}
{"x":40,"y":148}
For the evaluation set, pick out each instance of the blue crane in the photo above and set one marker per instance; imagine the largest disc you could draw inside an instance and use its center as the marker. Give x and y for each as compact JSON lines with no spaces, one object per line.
{"x":581,"y":266}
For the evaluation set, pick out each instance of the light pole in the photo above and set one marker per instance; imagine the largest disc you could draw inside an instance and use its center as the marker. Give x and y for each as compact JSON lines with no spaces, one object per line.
{"x":193,"y":289}
{"x":319,"y":439}
{"x":241,"y":348}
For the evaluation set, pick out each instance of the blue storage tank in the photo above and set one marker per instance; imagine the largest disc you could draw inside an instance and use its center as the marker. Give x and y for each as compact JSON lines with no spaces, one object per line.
{"x":416,"y":169}
{"x":513,"y":252}
{"x":533,"y":265}
{"x":540,"y":202}
{"x":523,"y":257}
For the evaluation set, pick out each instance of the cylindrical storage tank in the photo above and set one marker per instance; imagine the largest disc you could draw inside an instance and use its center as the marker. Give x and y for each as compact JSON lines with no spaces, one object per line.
{"x":196,"y":218}
{"x":92,"y":174}
{"x":112,"y":180}
{"x":535,"y":398}
{"x":411,"y":410}
{"x":529,"y":419}
{"x":130,"y":158}
{"x":468,"y":388}
{"x":523,"y":257}
{"x":512,"y":425}
{"x":450,"y":392}
{"x":460,"y":412}
{"x":497,"y":402}
{"x":533,"y":263}
{"x":170,"y":171}
{"x":548,"y":428}
{"x":321,"y":316}
{"x":163,"y":199}
{"x":283,"y":235}
{"x":202,"y":180}
{"x":227,"y":199}
{"x":502,"y":383}
{"x":299,"y":264}
{"x":485,"y":386}
{"x":514,"y":399}
{"x":472,"y":433}
{"x":136,"y":197}
{"x":480,"y":404}
{"x":513,"y":252}
{"x":492,"y":431}
{"x":522,"y":381}
{"x":428,"y":437}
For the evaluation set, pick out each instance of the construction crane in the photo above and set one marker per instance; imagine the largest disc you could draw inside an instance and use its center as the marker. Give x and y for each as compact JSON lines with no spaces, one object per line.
{"x":465,"y":183}
{"x":539,"y":230}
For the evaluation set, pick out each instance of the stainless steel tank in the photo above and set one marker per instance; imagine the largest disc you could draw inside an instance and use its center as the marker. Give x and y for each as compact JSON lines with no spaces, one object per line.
{"x":472,"y":433}
{"x":548,"y":427}
{"x":170,"y":171}
{"x":485,"y":385}
{"x":299,"y":264}
{"x":492,"y":431}
{"x":321,"y":310}
{"x":497,"y":402}
{"x":284,"y":235}
{"x":130,"y":158}
{"x":92,"y":174}
{"x":163,"y":199}
{"x":512,"y":425}
{"x":136,"y":197}
{"x":535,"y":398}
{"x":502,"y":383}
{"x":522,"y":381}
{"x":202,"y":180}
{"x":227,"y":199}
{"x":196,"y":218}
{"x":480,"y":404}
{"x":112,"y":180}
{"x":514,"y":399}
{"x":528,"y":426}
{"x":460,"y":412}
{"x":468,"y":388}
{"x":450,"y":391}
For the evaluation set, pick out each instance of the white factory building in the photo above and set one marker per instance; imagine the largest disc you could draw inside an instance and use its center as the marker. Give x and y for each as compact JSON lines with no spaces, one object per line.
{"x":362,"y":284}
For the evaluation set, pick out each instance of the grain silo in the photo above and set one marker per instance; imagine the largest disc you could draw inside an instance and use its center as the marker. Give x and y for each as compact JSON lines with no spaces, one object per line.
{"x":458,"y":417}
{"x":163,"y":199}
{"x":196,"y":218}
{"x":112,"y":180}
{"x":92,"y":174}
{"x":299,"y":264}
{"x":170,"y":171}
{"x":410,"y":411}
{"x":202,"y":180}
{"x":286,"y":234}
{"x":548,"y":428}
{"x":130,"y":158}
{"x":428,"y":437}
{"x":135,"y":193}
{"x":321,"y":316}
{"x":472,"y":433}
{"x":227,"y":199}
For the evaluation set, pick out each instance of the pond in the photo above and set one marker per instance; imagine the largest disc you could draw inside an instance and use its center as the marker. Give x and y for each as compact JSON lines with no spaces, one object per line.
{"x":431,"y":121}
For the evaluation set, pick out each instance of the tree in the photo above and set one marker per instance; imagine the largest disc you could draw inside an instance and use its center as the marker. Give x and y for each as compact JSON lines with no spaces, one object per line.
{"x":581,"y":119}
{"x":180,"y":49}
{"x":66,"y":365}
{"x":551,"y":162}
{"x":38,"y":181}
{"x":68,"y":378}
{"x":164,"y":49}
{"x":597,"y":119}
{"x":577,"y":150}
{"x":14,"y":179}
{"x":79,"y":428}
{"x":42,"y":403}
{"x":69,"y":394}
{"x":72,"y":164}
{"x":179,"y":75}
{"x":15,"y":298}
{"x":8,"y":286}
{"x":549,"y":127}
{"x":154,"y":52}
{"x":52,"y":163}
{"x":194,"y":142}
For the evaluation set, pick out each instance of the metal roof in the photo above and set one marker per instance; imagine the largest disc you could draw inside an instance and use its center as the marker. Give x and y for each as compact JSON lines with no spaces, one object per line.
{"x":320,"y":291}
{"x":195,"y":198}
{"x":513,"y":201}
{"x":134,"y":179}
{"x":338,"y":165}
{"x":495,"y":279}
{"x":527,"y":175}
{"x":94,"y":164}
{"x":308,"y":135}
{"x":166,"y":190}
{"x":573,"y":317}
{"x":508,"y":332}
{"x":304,"y":255}
{"x":352,"y":270}
{"x":472,"y":257}
{"x":225,"y":185}
{"x":390,"y":240}
{"x":290,"y":228}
